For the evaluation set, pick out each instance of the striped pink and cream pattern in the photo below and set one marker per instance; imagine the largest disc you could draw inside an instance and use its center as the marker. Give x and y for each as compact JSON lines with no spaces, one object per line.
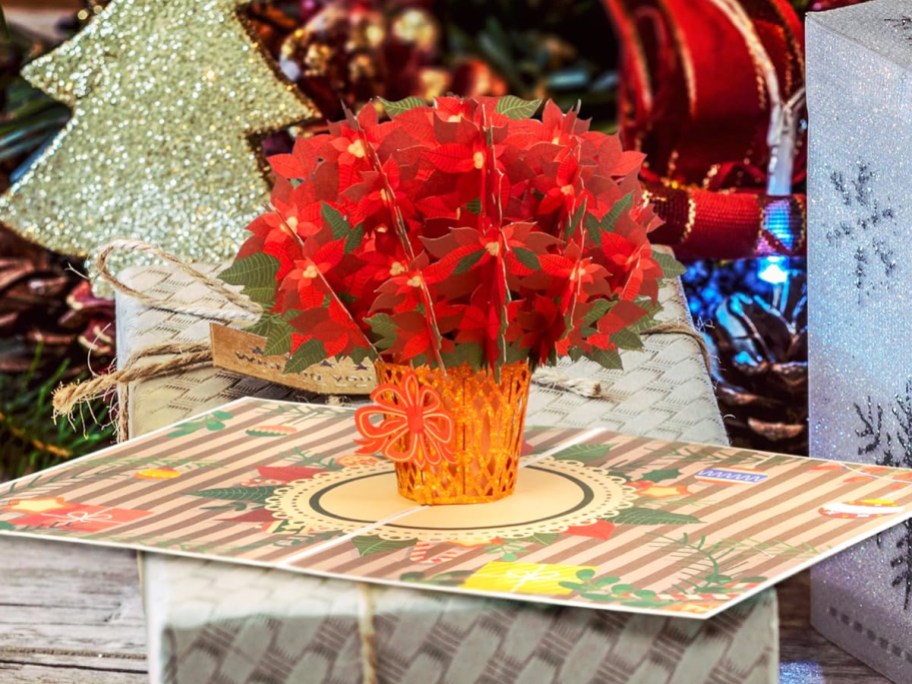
{"x":710,"y":526}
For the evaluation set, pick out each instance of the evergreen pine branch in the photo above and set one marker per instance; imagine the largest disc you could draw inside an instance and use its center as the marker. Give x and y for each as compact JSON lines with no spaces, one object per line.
{"x":29,"y":439}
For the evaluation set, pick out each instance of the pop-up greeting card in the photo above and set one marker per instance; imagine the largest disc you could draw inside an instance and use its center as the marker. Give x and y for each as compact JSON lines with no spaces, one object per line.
{"x":598,"y":519}
{"x":456,"y":246}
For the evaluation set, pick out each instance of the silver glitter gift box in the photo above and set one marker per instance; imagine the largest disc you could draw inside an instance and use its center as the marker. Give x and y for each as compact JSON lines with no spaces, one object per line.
{"x":859,"y":81}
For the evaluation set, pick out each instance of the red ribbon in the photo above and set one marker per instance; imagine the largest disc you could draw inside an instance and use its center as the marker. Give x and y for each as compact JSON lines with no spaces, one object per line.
{"x":415,"y":426}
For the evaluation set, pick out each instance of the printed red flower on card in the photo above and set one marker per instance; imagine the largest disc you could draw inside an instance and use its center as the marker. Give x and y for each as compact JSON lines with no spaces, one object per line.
{"x":414,"y":424}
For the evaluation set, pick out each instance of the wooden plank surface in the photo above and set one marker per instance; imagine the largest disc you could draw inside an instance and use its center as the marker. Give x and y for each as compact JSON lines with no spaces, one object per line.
{"x":69,"y":613}
{"x":805,"y":656}
{"x":72,"y":613}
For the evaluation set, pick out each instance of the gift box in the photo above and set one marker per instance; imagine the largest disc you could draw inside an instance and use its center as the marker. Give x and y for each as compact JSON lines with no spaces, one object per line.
{"x":214,"y":622}
{"x":77,"y":517}
{"x":279,"y":627}
{"x":859,"y":64}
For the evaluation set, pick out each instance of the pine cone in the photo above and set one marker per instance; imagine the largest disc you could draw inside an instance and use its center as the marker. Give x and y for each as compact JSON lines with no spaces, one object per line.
{"x":45,"y":304}
{"x":761,"y":379}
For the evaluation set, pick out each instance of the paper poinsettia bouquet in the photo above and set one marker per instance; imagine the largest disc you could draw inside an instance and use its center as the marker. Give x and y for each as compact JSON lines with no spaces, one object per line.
{"x":459,"y":233}
{"x":458,"y":246}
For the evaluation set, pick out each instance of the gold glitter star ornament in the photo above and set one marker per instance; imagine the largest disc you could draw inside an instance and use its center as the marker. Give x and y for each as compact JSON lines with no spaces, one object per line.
{"x":168,"y":97}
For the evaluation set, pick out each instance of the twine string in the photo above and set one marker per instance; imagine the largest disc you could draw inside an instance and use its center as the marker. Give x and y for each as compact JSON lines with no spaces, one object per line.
{"x":182,"y":356}
{"x":245,"y":311}
{"x":367,"y":634}
{"x":548,"y":376}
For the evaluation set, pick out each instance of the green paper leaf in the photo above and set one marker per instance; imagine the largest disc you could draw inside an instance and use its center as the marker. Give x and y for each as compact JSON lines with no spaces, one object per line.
{"x":278,"y":335}
{"x":594,"y":228}
{"x":648,"y":320}
{"x":257,"y":275}
{"x":622,"y":588}
{"x":671,"y":267}
{"x":662,"y":474}
{"x":305,"y":356}
{"x":622,"y":206}
{"x":354,"y":240}
{"x":395,"y":108}
{"x":627,"y":339}
{"x":576,"y":220}
{"x":517,"y":108}
{"x":360,"y":354}
{"x":527,"y":258}
{"x":252,"y":494}
{"x":468,"y":261}
{"x":337,"y":224}
{"x":384,"y":330}
{"x":585,"y":574}
{"x":4,"y":525}
{"x":599,"y":308}
{"x":639,"y":515}
{"x":468,"y":352}
{"x":261,"y":327}
{"x":515,"y":352}
{"x":370,"y":545}
{"x":607,"y":358}
{"x":583,"y":452}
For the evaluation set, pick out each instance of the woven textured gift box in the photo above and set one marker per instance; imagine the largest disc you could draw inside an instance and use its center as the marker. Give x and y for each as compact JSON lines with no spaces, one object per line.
{"x":209,"y":622}
{"x":859,"y":70}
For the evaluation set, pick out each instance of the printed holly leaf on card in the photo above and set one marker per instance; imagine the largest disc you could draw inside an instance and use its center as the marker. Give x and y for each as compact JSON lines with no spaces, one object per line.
{"x":212,"y":422}
{"x":453,"y":578}
{"x":662,"y":474}
{"x":583,"y":452}
{"x":256,"y":274}
{"x":541,"y":538}
{"x":251,"y":494}
{"x":652,"y":516}
{"x":368,"y":545}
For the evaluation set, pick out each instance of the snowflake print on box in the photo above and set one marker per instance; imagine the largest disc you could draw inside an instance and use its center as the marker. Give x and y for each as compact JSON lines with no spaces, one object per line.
{"x":865,"y":223}
{"x":903,"y":24}
{"x":894,"y":449}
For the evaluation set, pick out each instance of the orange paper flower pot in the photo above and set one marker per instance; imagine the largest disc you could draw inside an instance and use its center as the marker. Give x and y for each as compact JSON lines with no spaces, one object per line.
{"x":489,"y":414}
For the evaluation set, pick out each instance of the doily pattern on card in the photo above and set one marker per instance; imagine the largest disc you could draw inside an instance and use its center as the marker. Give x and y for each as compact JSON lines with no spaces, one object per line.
{"x":551,"y":496}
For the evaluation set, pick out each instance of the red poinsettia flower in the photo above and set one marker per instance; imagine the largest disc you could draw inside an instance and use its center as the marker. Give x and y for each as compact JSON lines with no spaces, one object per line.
{"x":460,"y":232}
{"x":414,"y":427}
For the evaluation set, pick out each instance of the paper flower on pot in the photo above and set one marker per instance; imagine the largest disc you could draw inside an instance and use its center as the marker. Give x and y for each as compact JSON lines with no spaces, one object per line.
{"x":411,"y":415}
{"x":459,"y":233}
